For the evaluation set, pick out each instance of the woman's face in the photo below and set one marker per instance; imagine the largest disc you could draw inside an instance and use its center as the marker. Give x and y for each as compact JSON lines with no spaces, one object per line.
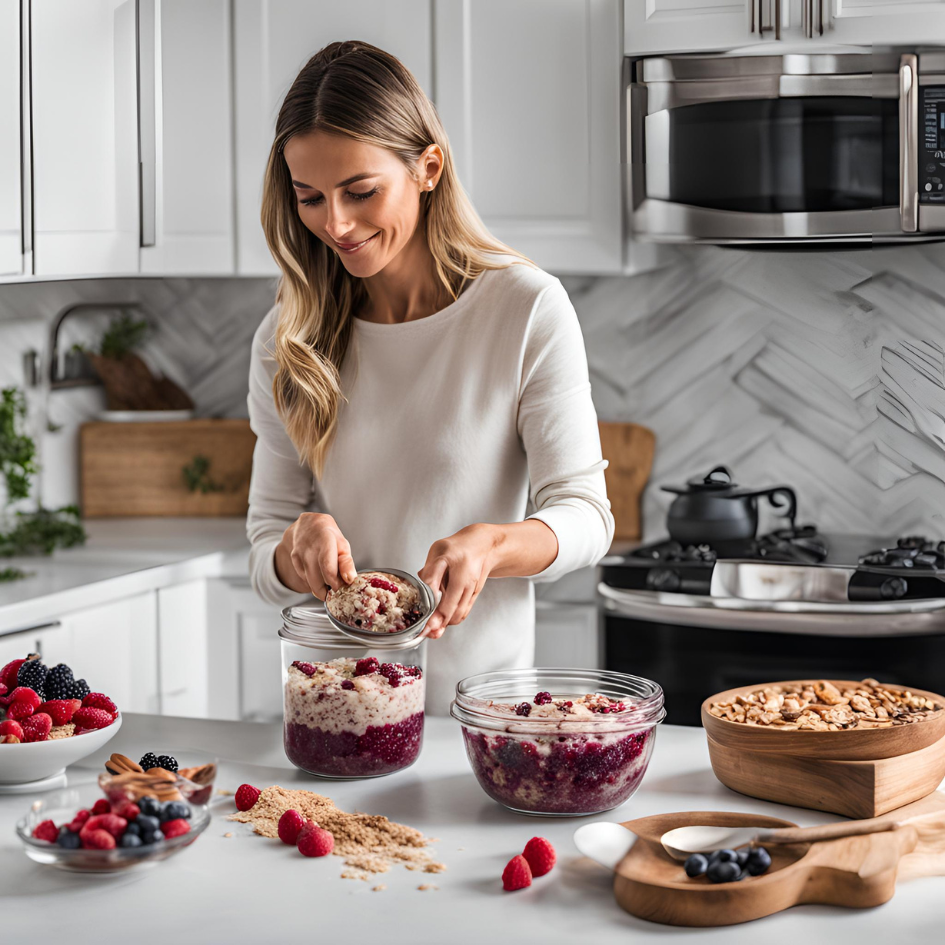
{"x":358,"y":198}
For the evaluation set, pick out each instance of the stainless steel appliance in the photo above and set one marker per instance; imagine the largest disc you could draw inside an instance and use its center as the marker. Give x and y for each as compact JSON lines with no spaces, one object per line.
{"x":846,"y":145}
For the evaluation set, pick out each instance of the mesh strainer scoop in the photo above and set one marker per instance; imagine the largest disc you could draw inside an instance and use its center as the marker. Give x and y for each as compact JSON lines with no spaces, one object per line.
{"x":427,"y":604}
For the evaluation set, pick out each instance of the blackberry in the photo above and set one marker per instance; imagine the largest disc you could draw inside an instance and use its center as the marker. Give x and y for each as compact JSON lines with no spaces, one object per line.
{"x":166,"y":762}
{"x":149,"y":760}
{"x":77,"y":689}
{"x":57,"y":682}
{"x":33,"y":675}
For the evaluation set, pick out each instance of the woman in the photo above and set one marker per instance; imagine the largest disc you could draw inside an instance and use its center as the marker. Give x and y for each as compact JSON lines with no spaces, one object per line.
{"x":418,"y":384}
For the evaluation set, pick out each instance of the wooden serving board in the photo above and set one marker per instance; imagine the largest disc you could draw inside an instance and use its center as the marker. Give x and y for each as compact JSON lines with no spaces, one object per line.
{"x":853,"y":788}
{"x":853,"y":871}
{"x":132,"y":469}
{"x":629,"y":449}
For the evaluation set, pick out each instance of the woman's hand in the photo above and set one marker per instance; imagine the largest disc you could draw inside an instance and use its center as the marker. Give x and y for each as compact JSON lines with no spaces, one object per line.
{"x":314,"y":556}
{"x":458,"y":566}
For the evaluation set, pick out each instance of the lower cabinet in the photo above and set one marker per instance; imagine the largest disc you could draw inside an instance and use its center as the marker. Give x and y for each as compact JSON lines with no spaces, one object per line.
{"x":182,"y":649}
{"x":567,"y":635}
{"x":51,"y":639}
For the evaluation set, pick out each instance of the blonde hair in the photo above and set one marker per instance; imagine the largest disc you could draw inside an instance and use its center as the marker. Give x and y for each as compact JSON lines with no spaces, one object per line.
{"x":354,"y":89}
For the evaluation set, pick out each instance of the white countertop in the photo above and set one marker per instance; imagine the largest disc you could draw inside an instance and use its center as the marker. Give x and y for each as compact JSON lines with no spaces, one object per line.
{"x":249,"y":889}
{"x":122,"y":557}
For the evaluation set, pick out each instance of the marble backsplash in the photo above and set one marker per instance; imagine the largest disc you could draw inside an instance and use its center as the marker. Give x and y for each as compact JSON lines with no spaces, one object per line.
{"x":822,"y":370}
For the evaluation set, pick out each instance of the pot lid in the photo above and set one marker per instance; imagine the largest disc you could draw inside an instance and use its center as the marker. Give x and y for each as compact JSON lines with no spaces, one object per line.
{"x":718,"y":482}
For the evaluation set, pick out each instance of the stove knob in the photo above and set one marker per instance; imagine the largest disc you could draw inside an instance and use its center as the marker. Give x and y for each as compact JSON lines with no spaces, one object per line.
{"x":893,"y":588}
{"x":663,"y":579}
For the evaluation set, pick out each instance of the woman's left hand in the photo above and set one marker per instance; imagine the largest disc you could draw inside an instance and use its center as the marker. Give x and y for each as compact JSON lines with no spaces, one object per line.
{"x":458,"y":566}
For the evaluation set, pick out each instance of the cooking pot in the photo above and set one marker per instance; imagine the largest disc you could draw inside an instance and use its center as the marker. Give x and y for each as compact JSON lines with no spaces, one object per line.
{"x":715,"y":509}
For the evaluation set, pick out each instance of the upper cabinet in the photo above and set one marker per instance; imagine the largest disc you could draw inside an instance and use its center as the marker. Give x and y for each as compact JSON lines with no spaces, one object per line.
{"x":272,"y":41}
{"x":85,"y":137}
{"x":13,"y":259}
{"x":885,"y":21}
{"x":529,"y":94}
{"x":654,"y":26}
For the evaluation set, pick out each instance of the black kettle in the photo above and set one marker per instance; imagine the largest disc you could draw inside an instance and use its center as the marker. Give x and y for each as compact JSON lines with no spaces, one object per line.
{"x":714,"y":509}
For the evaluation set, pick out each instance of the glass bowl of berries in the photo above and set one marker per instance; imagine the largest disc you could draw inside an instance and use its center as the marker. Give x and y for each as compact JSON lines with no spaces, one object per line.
{"x":106,"y":836}
{"x":567,"y":742}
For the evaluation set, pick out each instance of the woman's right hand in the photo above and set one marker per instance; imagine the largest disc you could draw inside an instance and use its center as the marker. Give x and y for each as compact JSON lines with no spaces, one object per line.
{"x":314,"y":556}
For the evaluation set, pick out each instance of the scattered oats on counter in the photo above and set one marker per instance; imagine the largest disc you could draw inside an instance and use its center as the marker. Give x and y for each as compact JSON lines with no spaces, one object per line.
{"x":427,"y":886}
{"x":369,"y":843}
{"x":379,"y":888}
{"x":819,"y":706}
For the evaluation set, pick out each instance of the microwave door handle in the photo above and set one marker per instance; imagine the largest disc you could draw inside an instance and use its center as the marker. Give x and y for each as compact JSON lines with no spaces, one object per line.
{"x":909,"y":143}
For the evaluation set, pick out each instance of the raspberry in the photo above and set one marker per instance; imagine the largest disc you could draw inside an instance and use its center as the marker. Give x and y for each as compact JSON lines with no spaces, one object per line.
{"x":384,"y":585}
{"x":47,"y":831}
{"x":37,"y":727}
{"x":304,"y":667}
{"x":246,"y":796}
{"x":89,"y":718}
{"x":19,"y":710}
{"x":394,"y":679}
{"x":128,"y":810}
{"x":366,"y":666}
{"x":290,"y":823}
{"x":11,"y":727}
{"x":101,"y":806}
{"x":78,"y":822}
{"x":174,"y":828}
{"x":540,"y":855}
{"x":523,"y":708}
{"x":4,"y":690}
{"x":517,"y":874}
{"x":59,"y":710}
{"x":543,"y":698}
{"x":9,"y":673}
{"x":314,"y":841}
{"x":27,"y":696}
{"x":347,"y":684}
{"x":388,"y":668}
{"x":98,"y":700}
{"x":98,"y":840}
{"x":110,"y":823}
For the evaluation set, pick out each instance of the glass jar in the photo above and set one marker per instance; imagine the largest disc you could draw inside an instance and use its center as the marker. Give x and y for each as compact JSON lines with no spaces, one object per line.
{"x":350,"y":711}
{"x":558,"y":741}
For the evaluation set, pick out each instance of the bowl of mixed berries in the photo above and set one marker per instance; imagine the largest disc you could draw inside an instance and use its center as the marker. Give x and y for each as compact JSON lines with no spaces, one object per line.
{"x":111,"y":835}
{"x":48,"y":720}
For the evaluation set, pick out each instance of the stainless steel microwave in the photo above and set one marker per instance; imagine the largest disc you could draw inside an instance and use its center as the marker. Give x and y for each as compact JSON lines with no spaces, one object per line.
{"x":841,"y":146}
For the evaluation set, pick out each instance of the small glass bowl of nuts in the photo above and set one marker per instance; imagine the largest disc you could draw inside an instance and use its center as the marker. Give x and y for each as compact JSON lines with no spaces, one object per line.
{"x":186,"y":774}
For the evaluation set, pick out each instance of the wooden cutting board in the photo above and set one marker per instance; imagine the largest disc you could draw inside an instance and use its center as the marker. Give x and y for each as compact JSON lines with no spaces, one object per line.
{"x":132,"y":469}
{"x":629,"y":449}
{"x":853,"y":871}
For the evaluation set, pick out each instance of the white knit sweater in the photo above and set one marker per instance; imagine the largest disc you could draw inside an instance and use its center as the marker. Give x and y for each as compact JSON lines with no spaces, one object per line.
{"x":480,"y":412}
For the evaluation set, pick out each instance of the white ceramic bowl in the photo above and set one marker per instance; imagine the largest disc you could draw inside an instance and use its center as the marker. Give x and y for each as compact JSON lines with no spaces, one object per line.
{"x":35,"y":761}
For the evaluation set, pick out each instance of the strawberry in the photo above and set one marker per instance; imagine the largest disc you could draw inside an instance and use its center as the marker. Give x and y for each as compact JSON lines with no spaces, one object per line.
{"x":111,"y":823}
{"x":36,"y":728}
{"x":98,"y":700}
{"x":540,"y":855}
{"x":88,"y":718}
{"x":26,"y":696}
{"x":174,"y":828}
{"x":11,"y":727}
{"x":517,"y":874}
{"x":101,"y":806}
{"x":19,"y":710}
{"x":98,"y":840}
{"x":315,"y":841}
{"x":47,"y":831}
{"x":59,"y":710}
{"x":9,"y":673}
{"x":78,"y":822}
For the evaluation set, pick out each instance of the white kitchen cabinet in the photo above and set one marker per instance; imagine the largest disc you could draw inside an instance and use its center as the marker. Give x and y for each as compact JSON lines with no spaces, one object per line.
{"x":52,"y":639}
{"x":182,"y":649}
{"x":567,"y":635}
{"x":529,"y":94}
{"x":657,"y":26}
{"x":885,"y":21}
{"x":12,"y":260}
{"x":85,"y":148}
{"x":272,"y":41}
{"x":186,"y":152}
{"x":114,"y":648}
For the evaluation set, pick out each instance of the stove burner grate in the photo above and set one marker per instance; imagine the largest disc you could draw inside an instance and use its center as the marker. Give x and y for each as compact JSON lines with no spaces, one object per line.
{"x":913,"y":551}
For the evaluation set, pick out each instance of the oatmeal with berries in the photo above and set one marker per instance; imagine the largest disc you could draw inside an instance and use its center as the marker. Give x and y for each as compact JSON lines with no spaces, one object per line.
{"x":353,"y":718}
{"x":578,"y":755}
{"x":376,"y":600}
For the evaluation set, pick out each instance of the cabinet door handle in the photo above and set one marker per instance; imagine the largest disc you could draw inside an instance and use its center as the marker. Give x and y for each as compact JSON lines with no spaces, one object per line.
{"x":26,"y":139}
{"x":909,"y":143}
{"x":759,"y":23}
{"x":51,"y":625}
{"x":147,"y":160}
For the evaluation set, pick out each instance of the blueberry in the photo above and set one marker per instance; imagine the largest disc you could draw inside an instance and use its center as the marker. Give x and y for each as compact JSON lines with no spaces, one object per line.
{"x":696,"y":865}
{"x":133,"y":828}
{"x":147,"y":824}
{"x":129,"y":840}
{"x":724,"y":871}
{"x":149,"y":805}
{"x":176,"y":810}
{"x":743,"y":856}
{"x":726,"y":856}
{"x":758,"y":861}
{"x":69,"y":840}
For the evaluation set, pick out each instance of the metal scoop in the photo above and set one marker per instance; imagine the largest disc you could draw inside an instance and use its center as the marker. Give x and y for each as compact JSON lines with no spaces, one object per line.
{"x":428,"y":602}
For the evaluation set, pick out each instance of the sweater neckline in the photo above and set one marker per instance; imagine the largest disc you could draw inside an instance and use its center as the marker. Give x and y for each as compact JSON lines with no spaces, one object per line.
{"x":428,"y":321}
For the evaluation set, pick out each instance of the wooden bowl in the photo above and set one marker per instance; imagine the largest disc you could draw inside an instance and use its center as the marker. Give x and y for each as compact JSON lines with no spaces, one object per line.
{"x":846,"y":745}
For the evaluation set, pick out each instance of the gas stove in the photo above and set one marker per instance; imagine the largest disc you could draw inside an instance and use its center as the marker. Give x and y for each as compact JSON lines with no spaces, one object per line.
{"x":869,"y":569}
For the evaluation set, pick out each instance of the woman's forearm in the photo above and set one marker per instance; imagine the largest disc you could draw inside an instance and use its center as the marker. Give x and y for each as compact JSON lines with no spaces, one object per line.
{"x":522,"y":548}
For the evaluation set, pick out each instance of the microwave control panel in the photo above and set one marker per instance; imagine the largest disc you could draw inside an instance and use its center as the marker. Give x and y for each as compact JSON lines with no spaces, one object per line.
{"x":932,"y":145}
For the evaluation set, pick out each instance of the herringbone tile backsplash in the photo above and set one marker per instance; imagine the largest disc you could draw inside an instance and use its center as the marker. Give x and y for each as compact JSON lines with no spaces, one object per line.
{"x":821,"y":370}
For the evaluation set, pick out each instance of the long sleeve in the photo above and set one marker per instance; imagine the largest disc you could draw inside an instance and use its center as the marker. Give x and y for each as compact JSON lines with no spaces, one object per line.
{"x":281,"y":488}
{"x":557,"y":423}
